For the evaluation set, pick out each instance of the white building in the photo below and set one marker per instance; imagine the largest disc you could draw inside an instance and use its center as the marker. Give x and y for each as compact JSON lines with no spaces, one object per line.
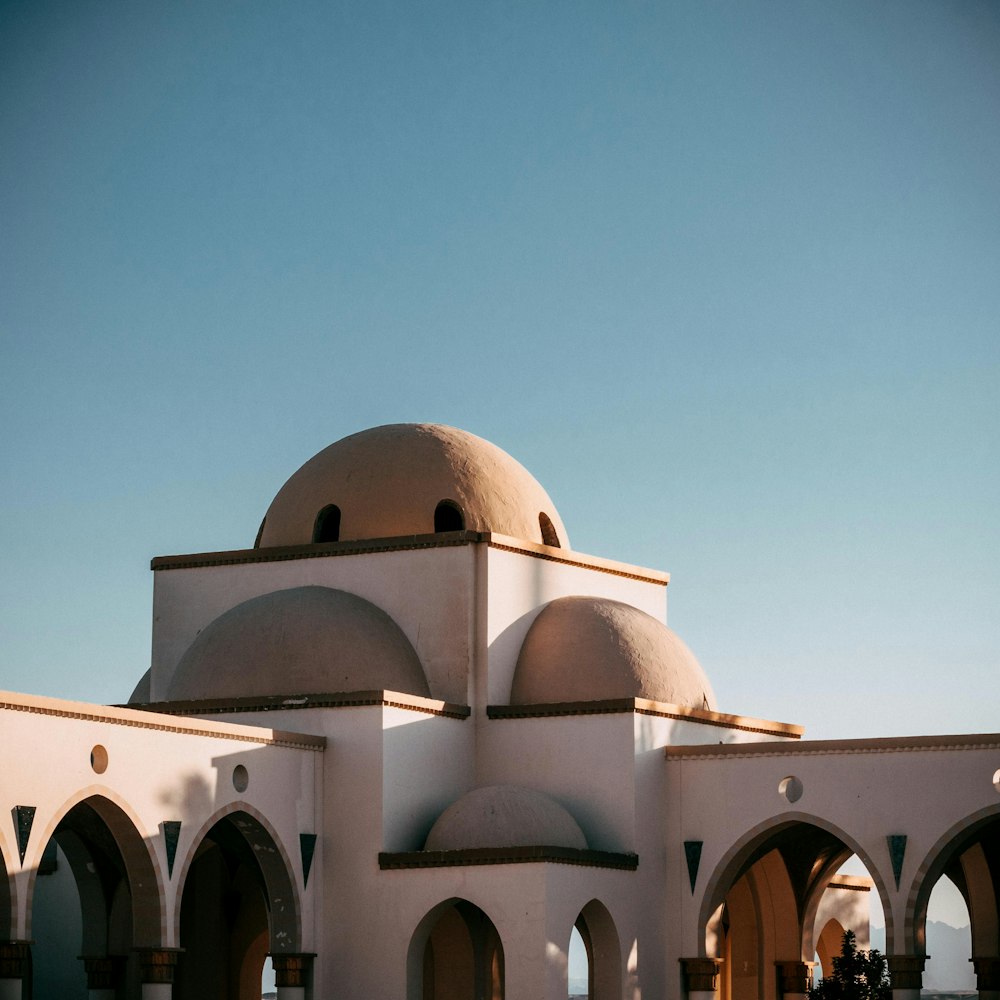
{"x":409,"y":740}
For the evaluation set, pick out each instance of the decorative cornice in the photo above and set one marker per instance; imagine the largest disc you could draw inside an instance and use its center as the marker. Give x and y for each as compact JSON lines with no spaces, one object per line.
{"x":143,"y":717}
{"x":403,"y":543}
{"x":295,"y":702}
{"x":643,"y":706}
{"x":889,"y":744}
{"x":388,"y":860}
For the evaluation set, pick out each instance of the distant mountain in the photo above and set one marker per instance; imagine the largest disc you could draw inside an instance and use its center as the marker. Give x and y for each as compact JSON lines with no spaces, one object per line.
{"x":948,"y":969}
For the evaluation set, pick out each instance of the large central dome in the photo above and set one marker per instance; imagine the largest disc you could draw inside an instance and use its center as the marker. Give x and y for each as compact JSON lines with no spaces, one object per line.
{"x":410,"y":479}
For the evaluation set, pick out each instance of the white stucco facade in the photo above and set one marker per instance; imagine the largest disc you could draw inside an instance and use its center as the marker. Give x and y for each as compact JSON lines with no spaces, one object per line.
{"x":206,"y":832}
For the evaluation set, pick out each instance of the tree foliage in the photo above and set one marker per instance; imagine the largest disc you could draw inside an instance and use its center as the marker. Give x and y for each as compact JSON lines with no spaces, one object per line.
{"x":857,"y":975}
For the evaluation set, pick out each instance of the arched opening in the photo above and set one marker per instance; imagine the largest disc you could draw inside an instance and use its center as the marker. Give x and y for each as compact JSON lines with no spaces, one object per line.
{"x":964,"y":863}
{"x":238,"y":905}
{"x":766,"y":902}
{"x":549,"y":534}
{"x":595,"y":970}
{"x":456,"y":954}
{"x":327,"y":526}
{"x":95,"y":897}
{"x":828,"y":943}
{"x":448,"y":516}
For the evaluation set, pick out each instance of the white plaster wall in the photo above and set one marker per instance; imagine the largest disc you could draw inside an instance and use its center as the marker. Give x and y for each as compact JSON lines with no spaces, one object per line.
{"x":153,"y":776}
{"x":427,"y":592}
{"x":582,"y":761}
{"x":533,"y":907}
{"x":428,"y":762}
{"x":864,"y":793}
{"x":520,"y":585}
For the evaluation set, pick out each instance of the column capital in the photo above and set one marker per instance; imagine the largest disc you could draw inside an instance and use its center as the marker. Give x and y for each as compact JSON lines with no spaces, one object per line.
{"x":701,"y":974}
{"x":793,"y":976}
{"x":906,"y":972}
{"x":292,"y":968}
{"x":104,"y":972}
{"x":157,"y":965}
{"x":14,"y":958}
{"x":987,"y":972}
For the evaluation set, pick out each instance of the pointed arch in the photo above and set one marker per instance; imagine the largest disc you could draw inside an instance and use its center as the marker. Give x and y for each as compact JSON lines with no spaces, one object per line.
{"x":284,"y":905}
{"x":466,"y":937}
{"x":604,"y":951}
{"x":949,"y":849}
{"x":832,"y":847}
{"x":138,"y":857}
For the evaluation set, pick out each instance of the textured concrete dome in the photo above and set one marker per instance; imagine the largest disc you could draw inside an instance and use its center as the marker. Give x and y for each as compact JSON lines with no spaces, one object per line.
{"x":308,"y":640}
{"x":392,"y":480}
{"x":592,"y":648}
{"x":504,"y":816}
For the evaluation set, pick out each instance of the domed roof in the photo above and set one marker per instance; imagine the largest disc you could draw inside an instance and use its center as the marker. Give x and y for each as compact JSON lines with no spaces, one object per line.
{"x":592,"y":648}
{"x":389,"y":481}
{"x":307,"y":640}
{"x":504,"y":816}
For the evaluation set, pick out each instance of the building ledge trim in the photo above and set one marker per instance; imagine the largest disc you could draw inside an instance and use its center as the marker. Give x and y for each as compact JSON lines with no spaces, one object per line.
{"x":151,"y":718}
{"x":296,"y":702}
{"x":643,"y":706}
{"x":401,"y":543}
{"x":507,"y":856}
{"x":887,"y":744}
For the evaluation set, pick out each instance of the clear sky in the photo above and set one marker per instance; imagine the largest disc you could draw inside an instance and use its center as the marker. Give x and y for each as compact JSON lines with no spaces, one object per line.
{"x":724,"y":276}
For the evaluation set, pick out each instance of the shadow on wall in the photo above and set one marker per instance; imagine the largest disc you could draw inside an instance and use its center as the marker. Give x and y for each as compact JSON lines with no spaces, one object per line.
{"x":428,"y":762}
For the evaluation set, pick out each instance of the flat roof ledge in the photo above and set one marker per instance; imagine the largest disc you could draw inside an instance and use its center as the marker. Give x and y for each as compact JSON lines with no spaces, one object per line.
{"x":643,"y":706}
{"x":507,"y":856}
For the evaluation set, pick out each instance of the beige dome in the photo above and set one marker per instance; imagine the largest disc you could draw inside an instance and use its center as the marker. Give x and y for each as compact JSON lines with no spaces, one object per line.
{"x":504,"y":816}
{"x":389,"y":481}
{"x":592,"y":649}
{"x":308,"y":640}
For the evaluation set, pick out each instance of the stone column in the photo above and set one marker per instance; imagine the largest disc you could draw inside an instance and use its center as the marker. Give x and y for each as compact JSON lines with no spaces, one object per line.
{"x":156,"y":972}
{"x":906,"y":974}
{"x":987,"y":977}
{"x":793,"y":979}
{"x":291,"y":974}
{"x":103,"y":975}
{"x":14,"y":958}
{"x":701,"y":977}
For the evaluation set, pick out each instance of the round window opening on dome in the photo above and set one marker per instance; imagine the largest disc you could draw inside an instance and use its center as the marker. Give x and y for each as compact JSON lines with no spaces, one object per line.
{"x":241,"y":779}
{"x":99,"y":759}
{"x":791,"y":788}
{"x":327,"y":526}
{"x":448,"y":516}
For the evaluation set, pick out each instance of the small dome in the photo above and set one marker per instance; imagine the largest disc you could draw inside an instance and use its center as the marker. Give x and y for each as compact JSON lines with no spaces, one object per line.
{"x":307,"y":640}
{"x":504,"y":816}
{"x":410,"y":479}
{"x":592,"y":649}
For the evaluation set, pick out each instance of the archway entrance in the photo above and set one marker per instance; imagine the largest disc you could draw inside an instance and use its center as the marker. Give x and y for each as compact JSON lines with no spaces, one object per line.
{"x":463,"y":956}
{"x":970,"y":858}
{"x":596,"y":933}
{"x":760,"y":914}
{"x":95,"y":898}
{"x":238,"y":905}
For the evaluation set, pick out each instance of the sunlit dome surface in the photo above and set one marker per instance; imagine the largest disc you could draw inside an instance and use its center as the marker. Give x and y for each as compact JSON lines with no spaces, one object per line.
{"x":593,"y":648}
{"x":410,"y":479}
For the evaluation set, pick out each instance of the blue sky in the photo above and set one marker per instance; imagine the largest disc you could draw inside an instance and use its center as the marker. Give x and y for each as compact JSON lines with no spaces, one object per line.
{"x":724,"y":276}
